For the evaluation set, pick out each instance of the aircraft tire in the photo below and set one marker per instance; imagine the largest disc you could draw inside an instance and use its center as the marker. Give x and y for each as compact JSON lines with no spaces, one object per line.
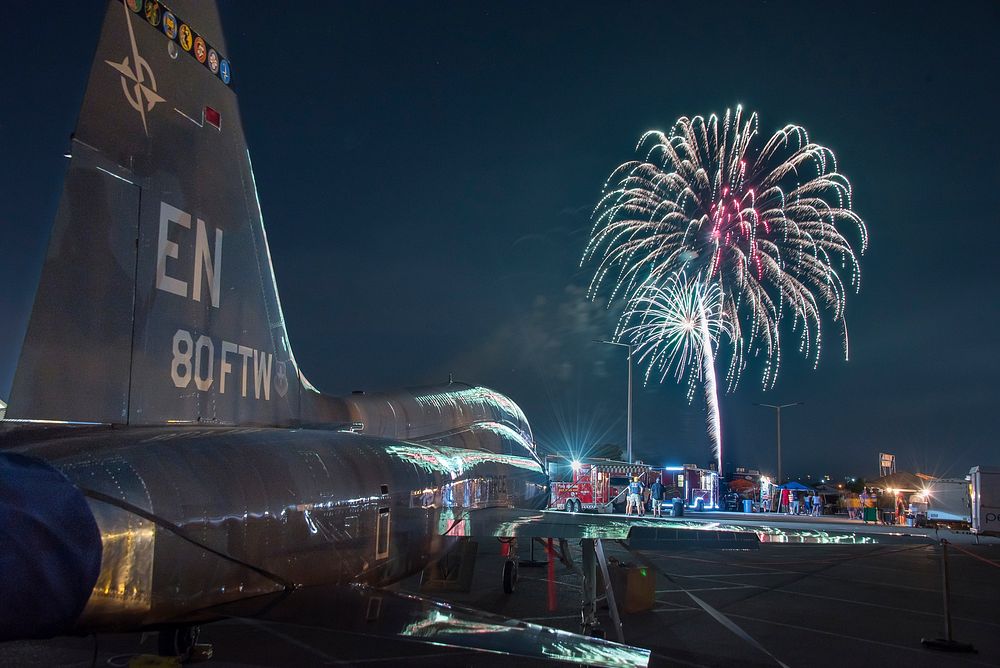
{"x":509,"y":576}
{"x":177,"y":641}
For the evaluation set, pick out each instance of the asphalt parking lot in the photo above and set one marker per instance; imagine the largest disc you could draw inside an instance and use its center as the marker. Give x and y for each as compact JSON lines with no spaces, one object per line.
{"x":800,"y":605}
{"x":807,"y":605}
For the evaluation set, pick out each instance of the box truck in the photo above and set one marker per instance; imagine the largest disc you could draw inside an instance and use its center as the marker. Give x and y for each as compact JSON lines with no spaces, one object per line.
{"x":984,"y":490}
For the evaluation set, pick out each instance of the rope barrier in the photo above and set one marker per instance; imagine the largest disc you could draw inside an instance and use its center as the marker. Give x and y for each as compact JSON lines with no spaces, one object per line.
{"x":973,"y":555}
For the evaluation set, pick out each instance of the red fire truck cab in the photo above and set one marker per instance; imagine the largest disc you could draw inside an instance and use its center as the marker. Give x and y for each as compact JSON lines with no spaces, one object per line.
{"x":599,"y":485}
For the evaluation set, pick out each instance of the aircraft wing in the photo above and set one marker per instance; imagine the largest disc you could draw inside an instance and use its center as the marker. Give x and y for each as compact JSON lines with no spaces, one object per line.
{"x":323,"y":615}
{"x":671,"y":533}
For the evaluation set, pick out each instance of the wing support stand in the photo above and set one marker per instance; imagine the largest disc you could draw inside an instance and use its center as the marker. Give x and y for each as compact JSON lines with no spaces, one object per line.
{"x":592,"y":557}
{"x":531,"y":562}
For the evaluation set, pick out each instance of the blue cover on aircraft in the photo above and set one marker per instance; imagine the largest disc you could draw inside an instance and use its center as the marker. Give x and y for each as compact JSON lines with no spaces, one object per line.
{"x":51,"y":549}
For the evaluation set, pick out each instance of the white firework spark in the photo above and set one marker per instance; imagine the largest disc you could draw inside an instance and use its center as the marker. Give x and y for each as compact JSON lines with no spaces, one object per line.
{"x":675,"y":330}
{"x":762,"y":220}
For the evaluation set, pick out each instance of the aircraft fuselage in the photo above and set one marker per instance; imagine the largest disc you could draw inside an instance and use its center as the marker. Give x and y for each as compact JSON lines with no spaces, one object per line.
{"x":303,"y":506}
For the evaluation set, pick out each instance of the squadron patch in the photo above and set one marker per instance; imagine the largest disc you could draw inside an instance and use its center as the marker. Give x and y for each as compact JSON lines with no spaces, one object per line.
{"x":158,"y":14}
{"x":169,"y":25}
{"x":153,"y":12}
{"x":200,"y":49}
{"x":187,"y":39}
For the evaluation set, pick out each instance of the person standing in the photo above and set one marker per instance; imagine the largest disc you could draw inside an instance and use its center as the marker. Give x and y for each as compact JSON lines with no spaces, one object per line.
{"x":869,"y":511}
{"x":635,"y":490}
{"x":911,"y":516}
{"x":656,"y":495}
{"x":817,"y":504}
{"x":858,"y":506}
{"x":783,"y":504}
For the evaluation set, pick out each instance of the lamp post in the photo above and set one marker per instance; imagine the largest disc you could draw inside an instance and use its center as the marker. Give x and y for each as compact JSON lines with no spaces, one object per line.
{"x":628,"y":418}
{"x":777,"y":409}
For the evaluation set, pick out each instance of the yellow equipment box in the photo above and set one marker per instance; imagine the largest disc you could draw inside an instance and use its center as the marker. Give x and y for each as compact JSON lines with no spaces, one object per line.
{"x":634,"y":587}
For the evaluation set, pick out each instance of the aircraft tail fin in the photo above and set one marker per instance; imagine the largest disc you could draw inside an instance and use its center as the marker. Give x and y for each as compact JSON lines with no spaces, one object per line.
{"x":157,"y":301}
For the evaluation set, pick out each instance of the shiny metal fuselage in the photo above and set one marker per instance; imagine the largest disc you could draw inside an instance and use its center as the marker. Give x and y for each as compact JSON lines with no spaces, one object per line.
{"x":309,"y":505}
{"x":219,"y":472}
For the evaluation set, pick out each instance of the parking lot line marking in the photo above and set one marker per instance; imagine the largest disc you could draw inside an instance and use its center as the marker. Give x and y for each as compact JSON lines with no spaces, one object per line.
{"x":918,"y":650}
{"x":782,"y":590}
{"x":737,"y":586}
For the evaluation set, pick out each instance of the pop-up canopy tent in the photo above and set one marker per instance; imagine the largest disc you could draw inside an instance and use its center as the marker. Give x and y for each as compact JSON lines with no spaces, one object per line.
{"x":741,"y":485}
{"x":899,"y":481}
{"x":795,"y":486}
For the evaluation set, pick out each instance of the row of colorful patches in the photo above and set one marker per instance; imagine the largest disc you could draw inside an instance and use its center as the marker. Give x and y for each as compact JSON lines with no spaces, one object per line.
{"x":189,"y":41}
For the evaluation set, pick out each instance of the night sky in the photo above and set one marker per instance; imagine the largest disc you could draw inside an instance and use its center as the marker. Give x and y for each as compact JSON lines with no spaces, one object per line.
{"x":427,"y":171}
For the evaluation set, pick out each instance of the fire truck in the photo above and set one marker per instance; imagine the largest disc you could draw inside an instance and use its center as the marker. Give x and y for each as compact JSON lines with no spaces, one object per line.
{"x":697,"y":487}
{"x":599,"y":485}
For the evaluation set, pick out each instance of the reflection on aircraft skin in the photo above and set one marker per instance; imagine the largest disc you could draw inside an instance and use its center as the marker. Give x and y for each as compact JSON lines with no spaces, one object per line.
{"x":303,"y":506}
{"x":360,"y":610}
{"x":505,"y":523}
{"x":441,"y":624}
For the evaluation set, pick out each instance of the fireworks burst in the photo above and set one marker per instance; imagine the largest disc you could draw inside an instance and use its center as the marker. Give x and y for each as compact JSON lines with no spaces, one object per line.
{"x":665,"y":324}
{"x":676,"y":329}
{"x":760,"y":220}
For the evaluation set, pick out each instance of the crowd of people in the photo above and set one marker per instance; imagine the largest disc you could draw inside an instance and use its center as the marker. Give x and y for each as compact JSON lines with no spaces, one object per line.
{"x":795,"y":502}
{"x":868,"y":506}
{"x":637,"y":497}
{"x":864,"y":506}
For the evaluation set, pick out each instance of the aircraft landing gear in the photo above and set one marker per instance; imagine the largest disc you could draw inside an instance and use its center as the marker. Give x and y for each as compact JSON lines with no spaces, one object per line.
{"x":508,"y":579}
{"x":182,"y":642}
{"x":509,"y":576}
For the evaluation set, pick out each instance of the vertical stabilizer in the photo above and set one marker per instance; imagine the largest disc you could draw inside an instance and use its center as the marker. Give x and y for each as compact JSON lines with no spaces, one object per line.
{"x":157,"y":301}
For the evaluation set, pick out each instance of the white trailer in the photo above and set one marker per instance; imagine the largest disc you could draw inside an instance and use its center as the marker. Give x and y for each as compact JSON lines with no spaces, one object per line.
{"x":948,"y":502}
{"x":984,"y":485}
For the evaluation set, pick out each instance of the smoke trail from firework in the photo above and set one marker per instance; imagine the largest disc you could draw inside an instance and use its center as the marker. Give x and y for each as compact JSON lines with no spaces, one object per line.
{"x":763,"y":220}
{"x":675,"y":329}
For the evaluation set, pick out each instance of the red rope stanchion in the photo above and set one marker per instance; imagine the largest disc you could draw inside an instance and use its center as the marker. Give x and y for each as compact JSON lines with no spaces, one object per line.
{"x":552,"y":575}
{"x":973,"y":555}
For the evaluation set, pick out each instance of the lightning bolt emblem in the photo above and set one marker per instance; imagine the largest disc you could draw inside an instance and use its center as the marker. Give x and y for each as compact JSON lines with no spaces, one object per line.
{"x":140,"y":96}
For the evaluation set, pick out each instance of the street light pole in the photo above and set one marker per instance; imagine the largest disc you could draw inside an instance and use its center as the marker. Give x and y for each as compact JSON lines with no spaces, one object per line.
{"x":628,"y":414}
{"x":777,"y":411}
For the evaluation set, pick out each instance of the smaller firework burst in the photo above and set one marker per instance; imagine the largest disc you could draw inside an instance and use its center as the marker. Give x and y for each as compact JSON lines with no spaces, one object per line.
{"x":676,"y":329}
